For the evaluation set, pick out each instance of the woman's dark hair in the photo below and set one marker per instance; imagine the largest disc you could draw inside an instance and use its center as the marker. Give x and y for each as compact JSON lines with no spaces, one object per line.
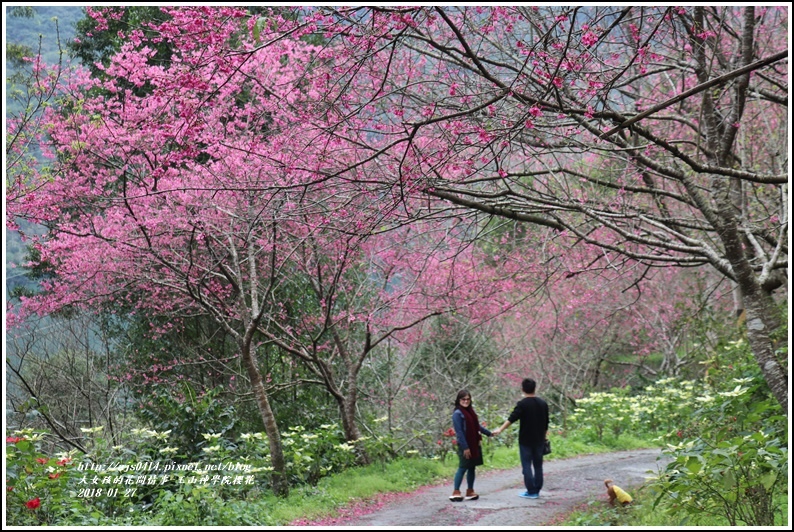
{"x":461,"y":395}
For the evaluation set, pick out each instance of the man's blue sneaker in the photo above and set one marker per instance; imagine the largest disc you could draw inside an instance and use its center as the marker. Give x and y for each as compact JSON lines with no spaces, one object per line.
{"x":534,"y":496}
{"x":528,"y":495}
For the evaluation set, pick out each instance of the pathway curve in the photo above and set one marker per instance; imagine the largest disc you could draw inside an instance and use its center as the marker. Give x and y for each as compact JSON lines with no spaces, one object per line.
{"x":567,"y":483}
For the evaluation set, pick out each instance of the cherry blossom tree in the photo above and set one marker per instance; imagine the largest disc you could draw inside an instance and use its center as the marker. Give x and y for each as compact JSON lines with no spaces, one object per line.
{"x":657,"y":134}
{"x":173,"y":199}
{"x":599,"y":328}
{"x":364,"y":293}
{"x":204,"y":186}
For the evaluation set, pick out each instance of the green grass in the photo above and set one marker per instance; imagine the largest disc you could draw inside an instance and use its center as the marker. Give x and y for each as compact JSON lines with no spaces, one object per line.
{"x":332,"y":493}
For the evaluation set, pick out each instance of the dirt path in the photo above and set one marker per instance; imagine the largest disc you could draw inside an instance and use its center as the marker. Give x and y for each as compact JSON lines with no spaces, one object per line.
{"x":567,"y":483}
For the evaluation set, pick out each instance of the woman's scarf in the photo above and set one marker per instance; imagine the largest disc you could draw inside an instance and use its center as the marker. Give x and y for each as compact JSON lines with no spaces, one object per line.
{"x":472,"y":430}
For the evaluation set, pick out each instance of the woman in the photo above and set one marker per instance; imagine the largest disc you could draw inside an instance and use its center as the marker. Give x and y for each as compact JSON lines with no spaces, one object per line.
{"x":467,"y":431}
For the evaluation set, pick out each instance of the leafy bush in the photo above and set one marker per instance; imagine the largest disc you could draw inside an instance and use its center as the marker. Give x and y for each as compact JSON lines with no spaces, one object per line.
{"x":149,"y":478}
{"x":189,"y":416}
{"x":37,"y":490}
{"x":313,"y":455}
{"x":729,"y":445}
{"x":648,"y":413}
{"x":732,"y":459}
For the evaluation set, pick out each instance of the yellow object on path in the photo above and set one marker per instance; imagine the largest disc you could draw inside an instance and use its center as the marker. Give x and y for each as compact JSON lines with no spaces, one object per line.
{"x":622,"y":496}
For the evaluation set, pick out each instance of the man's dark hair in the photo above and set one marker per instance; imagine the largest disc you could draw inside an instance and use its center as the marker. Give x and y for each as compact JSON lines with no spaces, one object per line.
{"x":528,"y":385}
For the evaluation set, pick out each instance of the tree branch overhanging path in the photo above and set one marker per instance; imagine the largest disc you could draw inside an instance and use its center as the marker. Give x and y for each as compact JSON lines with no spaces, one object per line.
{"x":672,"y":190}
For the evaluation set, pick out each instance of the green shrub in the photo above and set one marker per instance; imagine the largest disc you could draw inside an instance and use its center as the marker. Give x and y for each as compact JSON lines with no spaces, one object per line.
{"x":605,"y":416}
{"x":731,"y":461}
{"x":37,"y":485}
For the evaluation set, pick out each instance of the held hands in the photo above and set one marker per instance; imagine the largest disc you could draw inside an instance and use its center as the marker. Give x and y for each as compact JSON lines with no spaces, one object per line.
{"x":496,"y":432}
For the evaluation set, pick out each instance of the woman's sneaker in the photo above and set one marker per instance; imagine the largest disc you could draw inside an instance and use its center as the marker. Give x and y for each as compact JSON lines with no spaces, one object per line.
{"x":471,"y":496}
{"x":456,"y":496}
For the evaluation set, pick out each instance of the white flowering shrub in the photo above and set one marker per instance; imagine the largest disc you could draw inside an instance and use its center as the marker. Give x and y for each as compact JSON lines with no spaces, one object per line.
{"x":731,"y":458}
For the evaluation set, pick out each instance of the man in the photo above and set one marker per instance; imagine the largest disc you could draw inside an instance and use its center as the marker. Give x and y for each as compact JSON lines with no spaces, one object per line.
{"x":533,"y":413}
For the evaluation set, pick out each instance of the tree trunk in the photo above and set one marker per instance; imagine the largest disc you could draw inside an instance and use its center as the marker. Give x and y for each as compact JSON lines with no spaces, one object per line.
{"x":279,"y":476}
{"x":761,"y":314}
{"x":347,"y":411}
{"x":758,"y":336}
